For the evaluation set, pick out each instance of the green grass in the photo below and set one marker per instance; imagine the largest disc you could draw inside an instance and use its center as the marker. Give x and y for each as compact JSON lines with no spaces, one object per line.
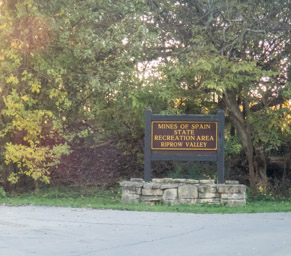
{"x":98,"y":198}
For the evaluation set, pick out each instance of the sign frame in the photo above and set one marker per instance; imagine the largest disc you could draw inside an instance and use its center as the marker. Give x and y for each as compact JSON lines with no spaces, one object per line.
{"x":184,"y":155}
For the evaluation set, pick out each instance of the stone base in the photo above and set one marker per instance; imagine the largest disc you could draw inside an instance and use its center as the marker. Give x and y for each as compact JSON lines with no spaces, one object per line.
{"x":183,"y":191}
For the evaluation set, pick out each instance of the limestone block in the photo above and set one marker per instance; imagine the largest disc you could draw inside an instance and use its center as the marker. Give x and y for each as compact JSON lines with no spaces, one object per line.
{"x":131,"y":184}
{"x":233,"y":202}
{"x":164,"y":180}
{"x":152,"y":192}
{"x":208,"y":188}
{"x":157,"y":180}
{"x":131,"y":190}
{"x":170,"y":194}
{"x":188,"y":192}
{"x":190,"y":181}
{"x":231,"y":182}
{"x":151,"y":199}
{"x":208,"y":195}
{"x":167,"y":180}
{"x":136,"y":179}
{"x":209,"y":201}
{"x":233,"y":196}
{"x":231,"y":189}
{"x":169,"y":185}
{"x":206,"y":181}
{"x":150,"y":185}
{"x":130,"y":198}
{"x":179,"y":180}
{"x":123,"y":183}
{"x":187,"y":201}
{"x":156,"y":185}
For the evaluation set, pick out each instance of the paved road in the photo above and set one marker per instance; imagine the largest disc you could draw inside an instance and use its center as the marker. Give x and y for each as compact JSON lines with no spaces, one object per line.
{"x":52,"y":231}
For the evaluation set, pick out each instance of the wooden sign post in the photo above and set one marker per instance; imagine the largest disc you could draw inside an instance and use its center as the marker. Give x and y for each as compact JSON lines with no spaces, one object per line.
{"x":184,"y":138}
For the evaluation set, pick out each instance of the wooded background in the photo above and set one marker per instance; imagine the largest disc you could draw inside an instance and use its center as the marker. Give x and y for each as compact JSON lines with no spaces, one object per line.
{"x":77,"y":75}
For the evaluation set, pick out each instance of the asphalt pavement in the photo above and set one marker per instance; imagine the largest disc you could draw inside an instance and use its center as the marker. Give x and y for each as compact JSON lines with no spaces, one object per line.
{"x":53,"y":231}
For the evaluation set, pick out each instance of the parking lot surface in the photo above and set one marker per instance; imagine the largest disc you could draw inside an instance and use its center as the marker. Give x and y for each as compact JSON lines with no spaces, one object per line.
{"x":51,"y":231}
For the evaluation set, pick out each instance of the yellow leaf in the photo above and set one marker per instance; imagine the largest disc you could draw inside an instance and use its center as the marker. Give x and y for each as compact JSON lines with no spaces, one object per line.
{"x":3,"y":26}
{"x":25,"y":98}
{"x":12,"y":79}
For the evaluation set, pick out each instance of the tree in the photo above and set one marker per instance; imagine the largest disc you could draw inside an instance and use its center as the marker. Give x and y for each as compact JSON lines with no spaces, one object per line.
{"x":31,"y":129}
{"x":238,"y":52}
{"x":82,"y":56}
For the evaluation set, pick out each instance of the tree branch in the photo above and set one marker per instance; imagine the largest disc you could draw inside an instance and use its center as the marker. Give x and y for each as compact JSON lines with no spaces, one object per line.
{"x":272,"y":102}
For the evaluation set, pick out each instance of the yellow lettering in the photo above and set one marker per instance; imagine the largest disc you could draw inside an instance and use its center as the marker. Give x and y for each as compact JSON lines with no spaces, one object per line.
{"x":190,"y":132}
{"x":189,"y":137}
{"x":167,"y":126}
{"x":200,"y":126}
{"x":184,"y":126}
{"x":195,"y":126}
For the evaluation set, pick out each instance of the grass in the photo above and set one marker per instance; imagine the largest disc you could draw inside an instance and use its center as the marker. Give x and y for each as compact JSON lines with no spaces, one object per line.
{"x":98,"y":198}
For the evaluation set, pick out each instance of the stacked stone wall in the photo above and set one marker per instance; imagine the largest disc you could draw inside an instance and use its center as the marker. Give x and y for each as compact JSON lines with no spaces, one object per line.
{"x":182,"y":191}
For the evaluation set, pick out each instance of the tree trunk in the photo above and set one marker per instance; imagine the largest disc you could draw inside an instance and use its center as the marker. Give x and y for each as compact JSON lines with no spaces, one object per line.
{"x":255,"y":157}
{"x":261,"y":168}
{"x":36,"y":187}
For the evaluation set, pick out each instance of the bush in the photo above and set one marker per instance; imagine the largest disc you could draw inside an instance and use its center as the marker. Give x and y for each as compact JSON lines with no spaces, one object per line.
{"x":2,"y":193}
{"x":192,"y":170}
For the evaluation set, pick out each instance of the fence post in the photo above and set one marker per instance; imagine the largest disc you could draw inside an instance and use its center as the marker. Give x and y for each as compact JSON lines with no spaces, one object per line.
{"x":220,"y":149}
{"x":147,"y":148}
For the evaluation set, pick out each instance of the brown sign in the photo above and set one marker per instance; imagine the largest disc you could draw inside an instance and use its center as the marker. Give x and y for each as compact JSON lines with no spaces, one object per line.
{"x":183,"y":135}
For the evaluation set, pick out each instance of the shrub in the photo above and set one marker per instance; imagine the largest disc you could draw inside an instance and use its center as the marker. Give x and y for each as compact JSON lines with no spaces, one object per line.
{"x":2,"y":193}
